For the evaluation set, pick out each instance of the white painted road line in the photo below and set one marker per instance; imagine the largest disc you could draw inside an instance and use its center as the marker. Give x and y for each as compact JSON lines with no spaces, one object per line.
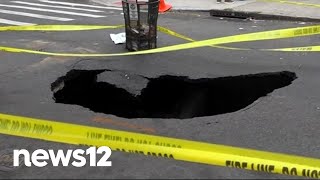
{"x":81,"y":5}
{"x":58,"y":7}
{"x":51,"y":10}
{"x":6,"y":21}
{"x":34,"y":15}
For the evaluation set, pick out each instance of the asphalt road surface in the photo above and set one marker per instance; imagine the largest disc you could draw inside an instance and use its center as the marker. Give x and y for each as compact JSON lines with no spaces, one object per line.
{"x":284,"y":119}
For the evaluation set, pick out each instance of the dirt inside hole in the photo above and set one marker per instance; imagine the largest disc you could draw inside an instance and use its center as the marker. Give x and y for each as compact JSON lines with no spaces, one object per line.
{"x":134,"y":96}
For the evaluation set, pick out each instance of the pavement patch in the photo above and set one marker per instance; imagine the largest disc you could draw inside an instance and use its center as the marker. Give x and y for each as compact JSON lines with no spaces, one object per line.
{"x":6,"y":160}
{"x":127,"y":125}
{"x":134,"y":96}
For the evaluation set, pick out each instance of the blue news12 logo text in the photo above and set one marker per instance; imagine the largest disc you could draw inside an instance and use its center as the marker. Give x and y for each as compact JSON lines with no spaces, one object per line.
{"x":40,"y":157}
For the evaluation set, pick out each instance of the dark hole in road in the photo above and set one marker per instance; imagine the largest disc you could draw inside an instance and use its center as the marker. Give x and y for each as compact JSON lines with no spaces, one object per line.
{"x":167,"y":96}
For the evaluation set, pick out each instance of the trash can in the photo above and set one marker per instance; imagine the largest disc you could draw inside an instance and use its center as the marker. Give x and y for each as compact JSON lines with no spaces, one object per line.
{"x":141,"y":18}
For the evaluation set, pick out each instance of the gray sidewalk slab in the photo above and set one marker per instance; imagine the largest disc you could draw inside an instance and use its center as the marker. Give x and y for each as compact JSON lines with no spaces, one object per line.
{"x":309,"y":9}
{"x":284,"y":8}
{"x":205,"y":4}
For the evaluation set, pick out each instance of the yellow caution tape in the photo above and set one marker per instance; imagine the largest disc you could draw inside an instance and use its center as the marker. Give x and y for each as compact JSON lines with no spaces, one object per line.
{"x":295,"y":3}
{"x":294,"y":49}
{"x":258,"y":36}
{"x":175,"y":34}
{"x":91,"y":27}
{"x":177,"y":149}
{"x":172,"y":33}
{"x":298,"y":49}
{"x":57,"y":27}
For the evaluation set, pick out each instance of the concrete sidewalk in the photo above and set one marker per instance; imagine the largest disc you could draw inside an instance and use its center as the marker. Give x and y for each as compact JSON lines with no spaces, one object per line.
{"x":290,"y":9}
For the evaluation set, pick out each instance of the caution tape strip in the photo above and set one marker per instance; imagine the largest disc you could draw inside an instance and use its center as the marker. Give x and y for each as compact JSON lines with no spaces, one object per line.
{"x":58,"y":27}
{"x":293,"y":49}
{"x":175,"y":34}
{"x":177,"y":149}
{"x":257,"y":36}
{"x":298,"y":49}
{"x":92,"y":27}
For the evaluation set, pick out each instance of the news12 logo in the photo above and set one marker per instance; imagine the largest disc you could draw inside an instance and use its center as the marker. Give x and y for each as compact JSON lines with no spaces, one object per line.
{"x":40,"y":157}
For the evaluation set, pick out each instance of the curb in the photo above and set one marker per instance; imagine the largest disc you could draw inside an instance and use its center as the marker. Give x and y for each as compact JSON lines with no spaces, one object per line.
{"x":257,"y":15}
{"x":234,"y":14}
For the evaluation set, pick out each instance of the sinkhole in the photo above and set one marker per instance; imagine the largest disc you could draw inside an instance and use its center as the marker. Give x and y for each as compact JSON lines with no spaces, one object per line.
{"x":134,"y":96}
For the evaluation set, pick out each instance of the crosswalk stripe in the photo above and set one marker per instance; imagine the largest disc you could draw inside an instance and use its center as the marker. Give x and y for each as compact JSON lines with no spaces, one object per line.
{"x":34,"y":15}
{"x":6,"y":21}
{"x":81,"y":5}
{"x":51,"y":10}
{"x":61,"y":7}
